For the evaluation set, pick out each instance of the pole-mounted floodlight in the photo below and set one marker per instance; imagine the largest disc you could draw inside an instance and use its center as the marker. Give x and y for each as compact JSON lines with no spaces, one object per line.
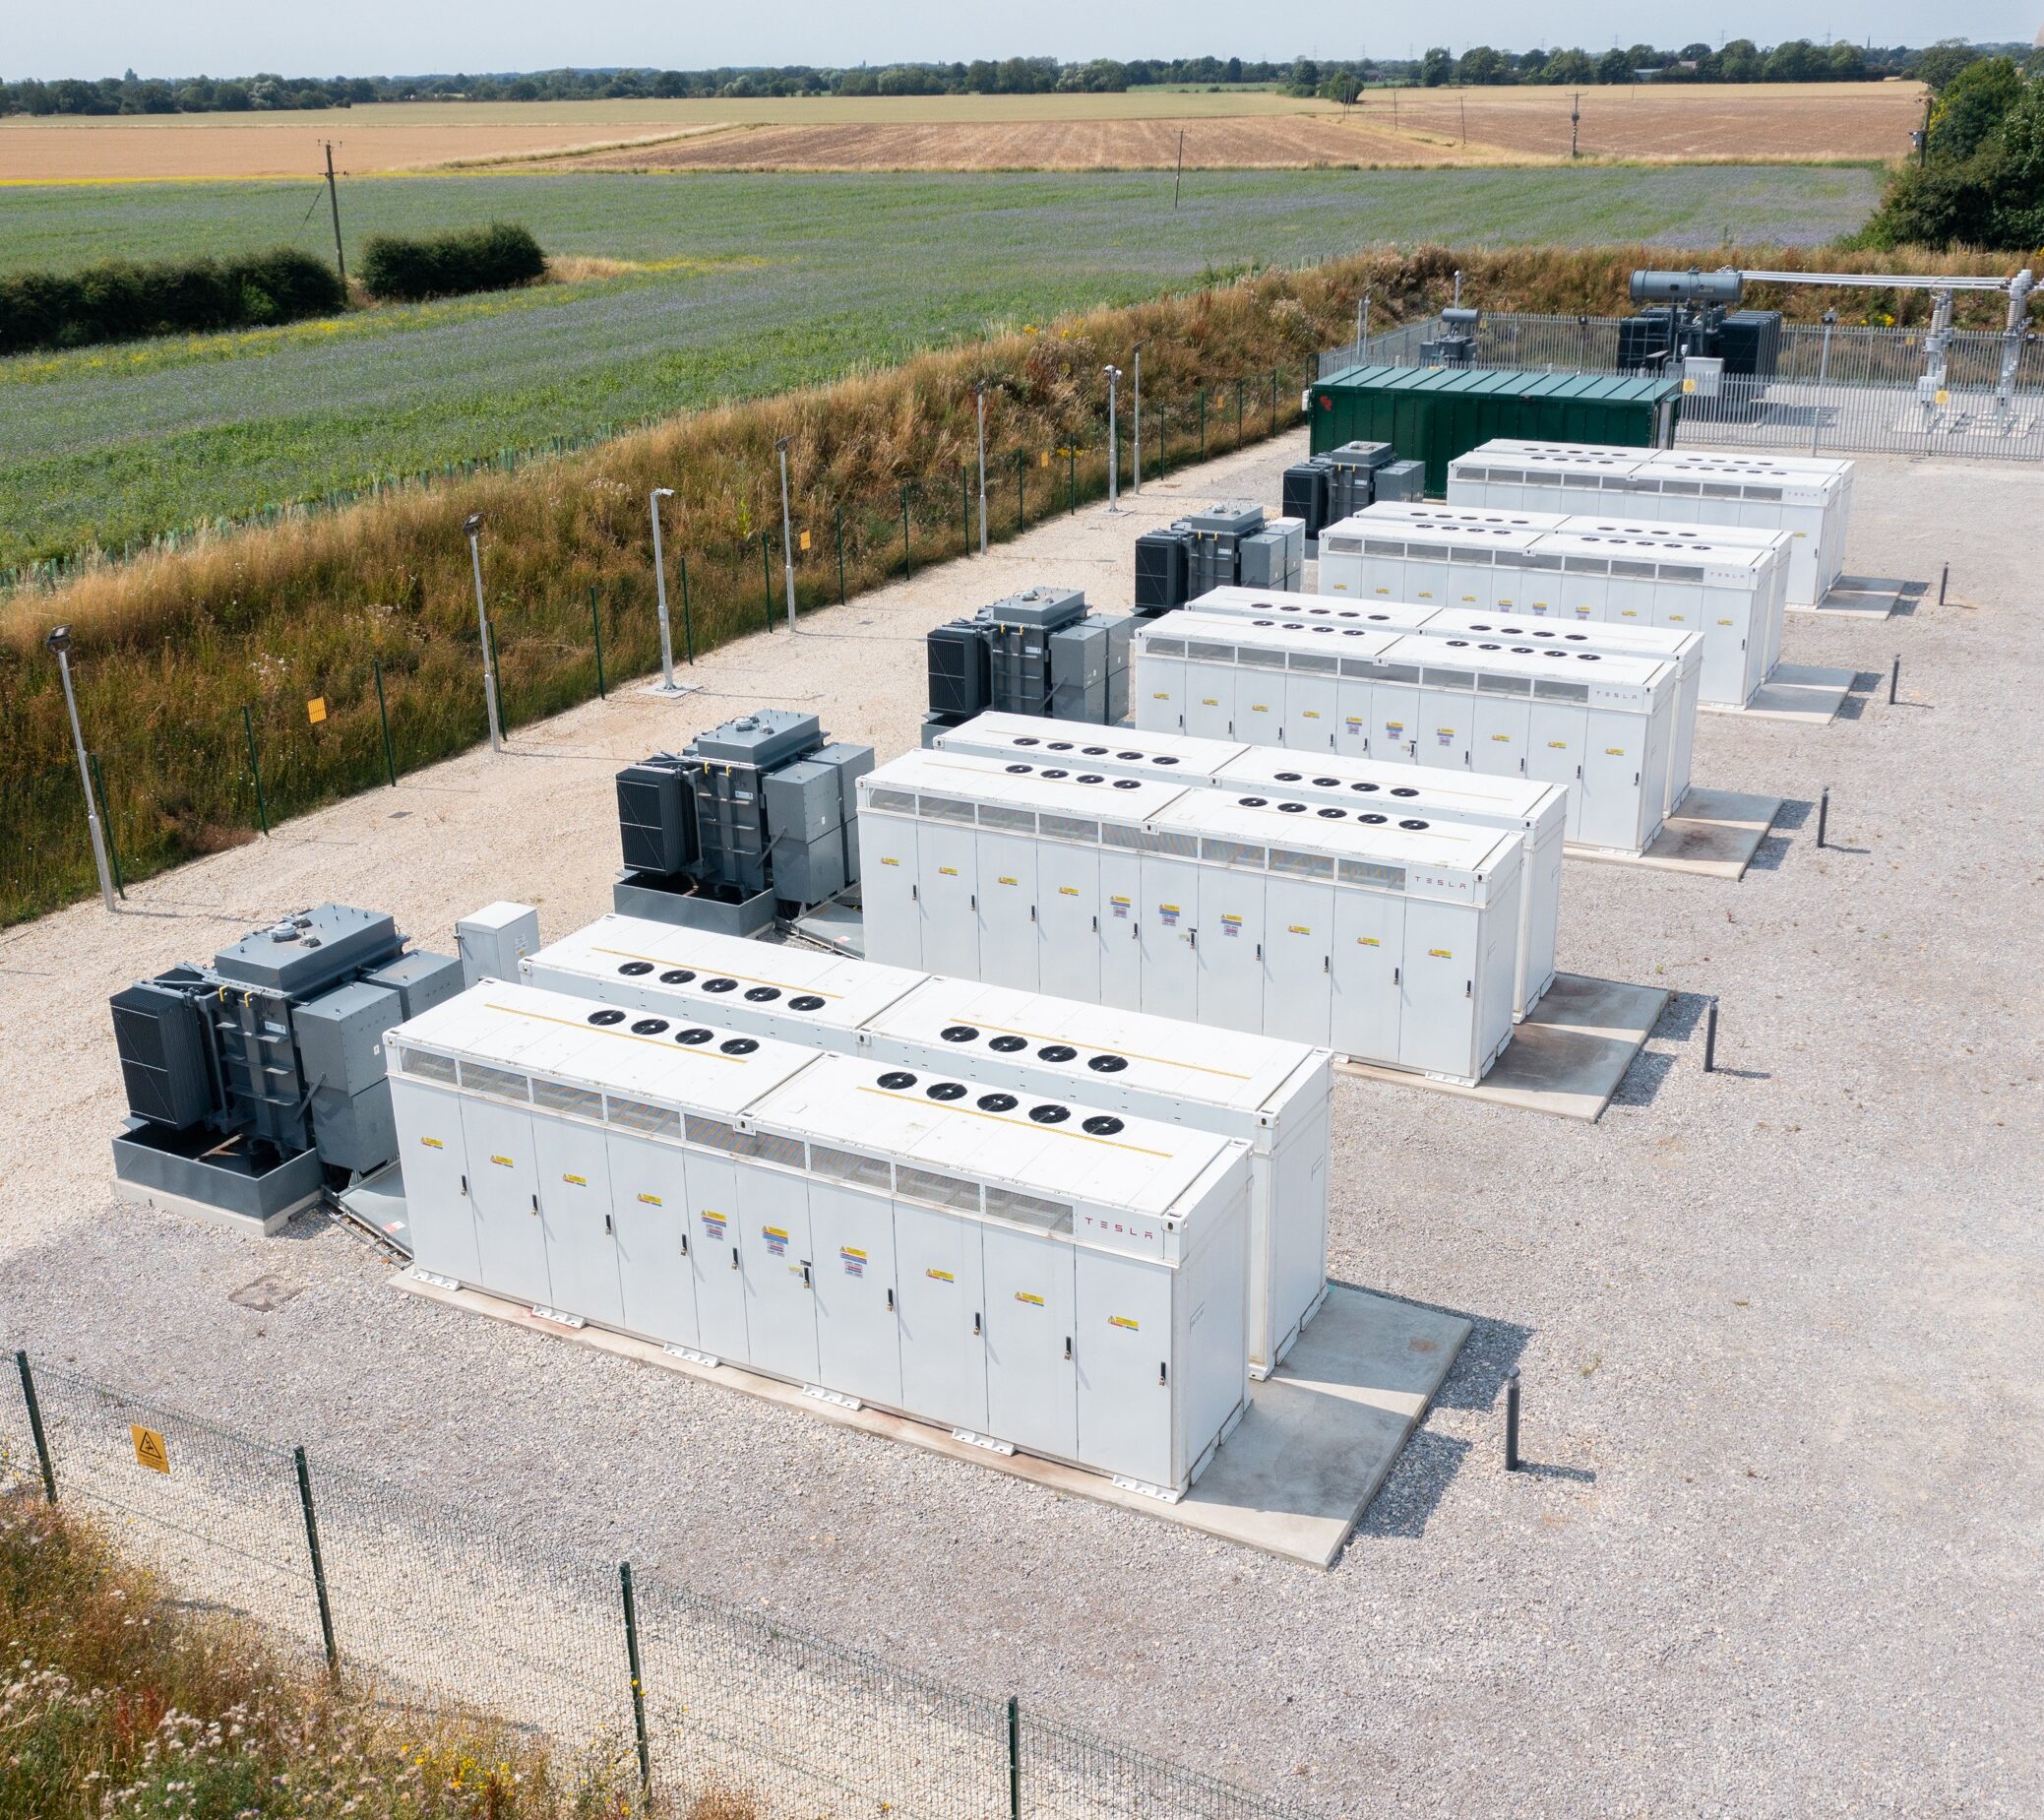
{"x":471,"y":528}
{"x":979,"y":392}
{"x":667,"y":685}
{"x":1136,"y":423}
{"x":787,"y":532}
{"x":1113,"y":440}
{"x":59,"y":643}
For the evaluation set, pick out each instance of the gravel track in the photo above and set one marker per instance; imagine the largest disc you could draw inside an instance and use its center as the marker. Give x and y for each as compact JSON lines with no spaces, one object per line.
{"x":1778,"y":1553}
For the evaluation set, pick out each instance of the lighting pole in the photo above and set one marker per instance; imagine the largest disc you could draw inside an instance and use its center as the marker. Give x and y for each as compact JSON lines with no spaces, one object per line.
{"x":59,"y":642}
{"x":1113,"y":440}
{"x":980,"y":394}
{"x":667,"y":685}
{"x":787,"y":533}
{"x":473,"y":525}
{"x":1136,"y":423}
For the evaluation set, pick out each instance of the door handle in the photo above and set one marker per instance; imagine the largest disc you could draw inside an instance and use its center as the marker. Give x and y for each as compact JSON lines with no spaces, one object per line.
{"x":1326,"y":963}
{"x":535,"y":1206}
{"x":1260,"y":951}
{"x":609,"y":1230}
{"x":734,"y":1257}
{"x":891,"y":1302}
{"x":1068,"y":1345}
{"x":1163,"y":1371}
{"x":1398,"y":975}
{"x":465,"y":1187}
{"x":975,"y":1320}
{"x":1469,"y":988}
{"x":1192,"y":938}
{"x":1096,"y":925}
{"x":915,"y":894}
{"x":975,"y":900}
{"x":1032,"y":913}
{"x":808,"y":1282}
{"x":684,"y":1244}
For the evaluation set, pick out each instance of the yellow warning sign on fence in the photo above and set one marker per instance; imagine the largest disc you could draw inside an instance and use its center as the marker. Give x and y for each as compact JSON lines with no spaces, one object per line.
{"x":150,"y":1450}
{"x":315,"y":709}
{"x":805,"y":540}
{"x":1044,"y":459}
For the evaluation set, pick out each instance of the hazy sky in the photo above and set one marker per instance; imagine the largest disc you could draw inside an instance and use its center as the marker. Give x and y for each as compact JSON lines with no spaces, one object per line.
{"x":410,"y":37}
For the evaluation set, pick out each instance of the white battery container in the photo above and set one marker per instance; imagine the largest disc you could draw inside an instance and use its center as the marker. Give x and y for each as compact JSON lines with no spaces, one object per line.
{"x":1271,"y":1094}
{"x":1239,"y":924}
{"x":1463,"y":626}
{"x":1028,"y":1274}
{"x":1240,"y":679}
{"x":1808,"y":497}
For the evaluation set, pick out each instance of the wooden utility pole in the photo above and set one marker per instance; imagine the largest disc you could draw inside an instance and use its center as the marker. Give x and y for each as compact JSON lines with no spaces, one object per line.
{"x":1574,"y":119}
{"x":334,"y":198}
{"x":1179,"y":179}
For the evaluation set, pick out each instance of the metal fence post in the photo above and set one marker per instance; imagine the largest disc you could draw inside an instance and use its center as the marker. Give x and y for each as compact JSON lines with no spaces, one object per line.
{"x":1202,"y":423}
{"x":1273,"y":401}
{"x":1238,"y":413}
{"x":35,"y":1433}
{"x":1163,"y":441}
{"x":767,"y":573}
{"x":383,"y":714}
{"x":841,"y":555}
{"x":490,"y":636}
{"x":255,"y":771}
{"x":688,"y":624}
{"x":597,"y":629}
{"x":319,"y":1566}
{"x":631,"y":1602}
{"x":1072,"y":477}
{"x":113,"y":853}
{"x":965,"y":505}
{"x":1014,"y":1758}
{"x":907,"y":556}
{"x":1021,"y":504}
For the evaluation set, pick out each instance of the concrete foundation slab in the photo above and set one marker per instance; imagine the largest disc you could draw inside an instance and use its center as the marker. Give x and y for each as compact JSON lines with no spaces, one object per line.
{"x":1293,"y":1480}
{"x":1794,"y":692}
{"x":1865,"y":597}
{"x":1713,"y":834}
{"x":1566,"y":1060}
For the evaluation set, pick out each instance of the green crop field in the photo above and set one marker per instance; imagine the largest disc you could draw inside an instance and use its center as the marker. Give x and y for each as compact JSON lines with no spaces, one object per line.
{"x":750,"y":284}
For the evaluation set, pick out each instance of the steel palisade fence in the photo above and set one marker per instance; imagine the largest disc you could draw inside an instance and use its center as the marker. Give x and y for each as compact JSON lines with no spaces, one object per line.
{"x":275,"y":760}
{"x":1837,"y":390}
{"x":438,"y":1611}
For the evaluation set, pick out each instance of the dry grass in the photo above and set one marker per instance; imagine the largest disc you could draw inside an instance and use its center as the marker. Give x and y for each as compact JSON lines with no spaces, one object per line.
{"x":169,"y":648}
{"x":117,"y":1703}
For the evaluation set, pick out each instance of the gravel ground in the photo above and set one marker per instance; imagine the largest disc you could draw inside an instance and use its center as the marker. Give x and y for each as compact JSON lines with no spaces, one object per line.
{"x":1778,"y":1552}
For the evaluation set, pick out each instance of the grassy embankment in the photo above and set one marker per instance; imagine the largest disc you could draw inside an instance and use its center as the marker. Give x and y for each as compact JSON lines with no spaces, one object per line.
{"x":171,"y":647}
{"x":119,"y":1703}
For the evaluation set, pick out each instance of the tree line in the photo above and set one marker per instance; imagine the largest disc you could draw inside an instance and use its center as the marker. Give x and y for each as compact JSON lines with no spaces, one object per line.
{"x":1344,"y":80}
{"x":1978,"y":176}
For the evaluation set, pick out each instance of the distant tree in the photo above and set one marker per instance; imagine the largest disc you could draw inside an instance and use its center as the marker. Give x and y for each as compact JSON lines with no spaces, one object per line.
{"x":1845,"y":62}
{"x":1481,"y":64}
{"x":1741,"y":61}
{"x":1435,"y":67}
{"x":1234,"y":67}
{"x":1795,"y":60}
{"x":1614,"y":67}
{"x":1693,"y":53}
{"x":1936,"y":66}
{"x":1569,"y":68}
{"x":1531,"y":63}
{"x":1343,"y":88}
{"x":1645,"y":58}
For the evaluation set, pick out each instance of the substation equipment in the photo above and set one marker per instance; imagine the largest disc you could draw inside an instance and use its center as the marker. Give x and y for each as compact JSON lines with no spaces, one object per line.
{"x":1324,"y":488}
{"x":1023,"y":1271}
{"x":1271,"y":1094}
{"x":256,"y":1082}
{"x":752,"y":820}
{"x":1391,"y":943}
{"x":1041,"y":652}
{"x":1225,"y":545}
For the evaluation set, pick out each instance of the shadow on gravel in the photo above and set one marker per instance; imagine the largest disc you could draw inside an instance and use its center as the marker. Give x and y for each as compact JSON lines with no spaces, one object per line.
{"x":1575,"y":1475}
{"x":1852,"y":708}
{"x":1642,"y":1081}
{"x":1768,"y":855}
{"x":1795,"y":813}
{"x":1682,"y":1016}
{"x":1416,"y":1485}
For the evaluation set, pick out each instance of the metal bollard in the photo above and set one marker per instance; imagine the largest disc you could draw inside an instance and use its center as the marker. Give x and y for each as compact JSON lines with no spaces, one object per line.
{"x":1894,"y":679}
{"x":1944,"y":581}
{"x":1711,"y":1038}
{"x":1824,"y":814}
{"x":1511,"y":1419}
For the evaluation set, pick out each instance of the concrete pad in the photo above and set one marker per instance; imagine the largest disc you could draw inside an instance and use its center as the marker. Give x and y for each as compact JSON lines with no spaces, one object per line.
{"x":1319,"y":1437}
{"x":1865,"y":597}
{"x":1794,"y":692}
{"x":1713,"y":834}
{"x":1566,"y":1060}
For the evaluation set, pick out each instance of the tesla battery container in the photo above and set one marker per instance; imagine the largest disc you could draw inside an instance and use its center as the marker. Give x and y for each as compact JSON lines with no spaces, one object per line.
{"x":1394,"y":944}
{"x":1538,"y":811}
{"x":1021,"y":1271}
{"x":1271,"y":1094}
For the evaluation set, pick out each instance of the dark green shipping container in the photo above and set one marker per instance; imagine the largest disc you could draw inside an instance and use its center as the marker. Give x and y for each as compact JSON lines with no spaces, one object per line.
{"x":1434,"y":414}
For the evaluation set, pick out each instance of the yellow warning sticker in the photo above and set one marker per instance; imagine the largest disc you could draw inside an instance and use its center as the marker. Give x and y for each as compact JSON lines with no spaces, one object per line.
{"x":804,"y":544}
{"x":1310,"y":713}
{"x":1557,"y":745}
{"x":1122,"y":1320}
{"x":885,"y":860}
{"x":1503,"y":739}
{"x":1441,"y":954}
{"x":1614,"y":751}
{"x":315,"y":709}
{"x":940,"y":1275}
{"x":504,"y":1162}
{"x":1068,"y":891}
{"x":1298,"y":928}
{"x":949,"y":871}
{"x":653,"y":1200}
{"x":1368,"y":941}
{"x":581,"y":1181}
{"x":150,"y":1450}
{"x":1209,"y":701}
{"x":432,"y":1143}
{"x":1024,"y":1296}
{"x":1005,"y":881}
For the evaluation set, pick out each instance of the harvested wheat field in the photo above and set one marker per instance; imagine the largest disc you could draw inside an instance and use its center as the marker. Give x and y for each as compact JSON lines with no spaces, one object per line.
{"x":1749,"y":121}
{"x":1302,"y":141}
